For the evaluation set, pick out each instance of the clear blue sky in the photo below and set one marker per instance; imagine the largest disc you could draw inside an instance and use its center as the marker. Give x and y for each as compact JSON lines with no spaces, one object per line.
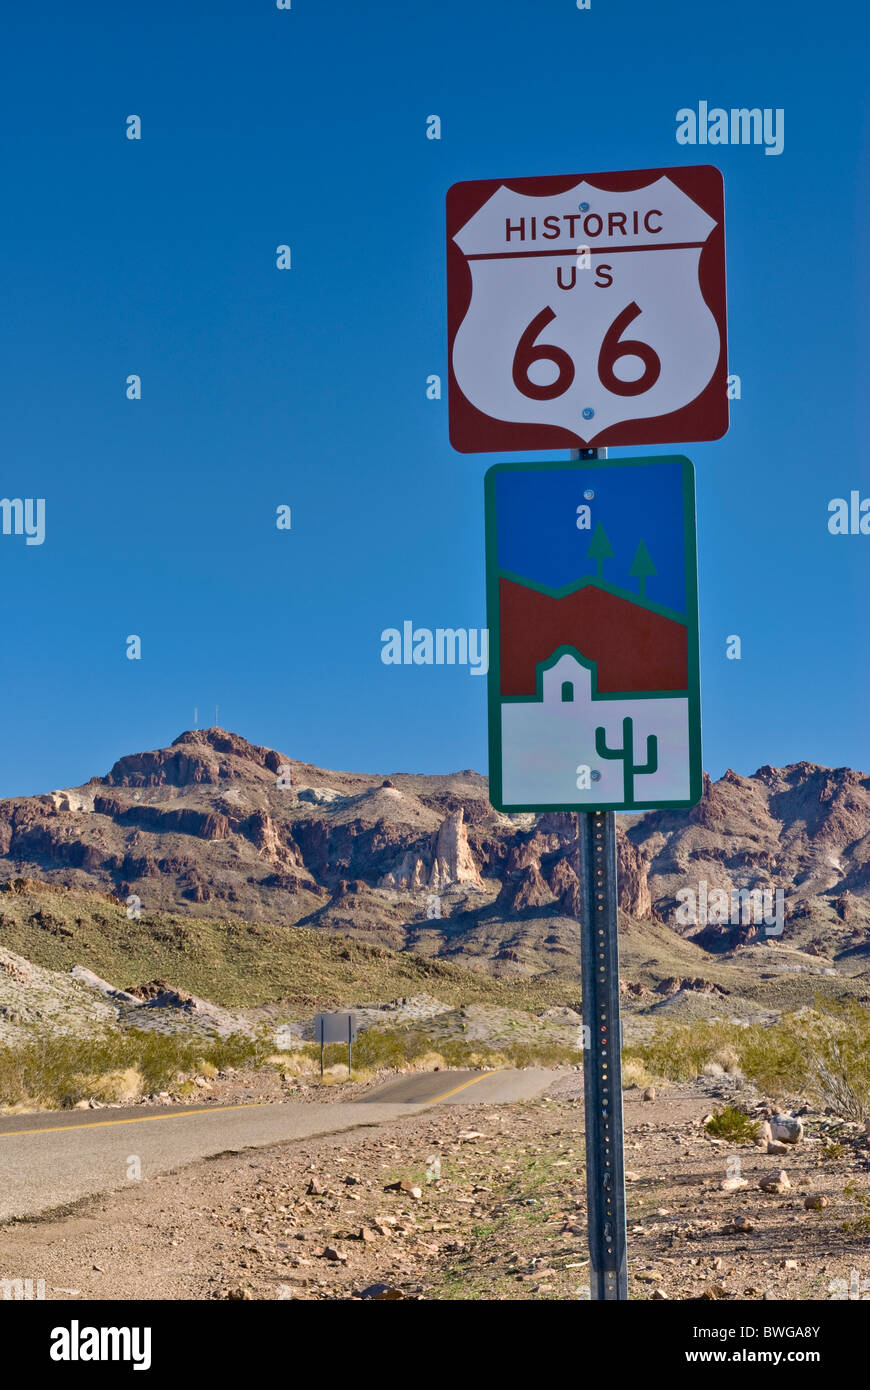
{"x":539,"y":539}
{"x":307,"y":387}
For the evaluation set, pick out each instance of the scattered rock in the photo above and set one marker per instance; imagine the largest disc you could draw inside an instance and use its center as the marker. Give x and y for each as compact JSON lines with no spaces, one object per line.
{"x":741,"y":1225}
{"x":788,"y":1128}
{"x":404,"y":1185}
{"x":777,"y":1181}
{"x":815,"y":1201}
{"x":676,"y":983}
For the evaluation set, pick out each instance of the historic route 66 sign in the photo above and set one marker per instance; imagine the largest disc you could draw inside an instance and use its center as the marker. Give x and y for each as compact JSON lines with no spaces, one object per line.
{"x":587,"y":310}
{"x":592,"y":609}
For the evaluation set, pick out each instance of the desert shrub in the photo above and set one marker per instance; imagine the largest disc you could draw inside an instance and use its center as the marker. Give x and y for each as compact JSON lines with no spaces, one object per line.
{"x":822,"y":1053}
{"x":680,"y":1051}
{"x":58,"y":1070}
{"x":834,"y":1150}
{"x":839,"y":1060}
{"x":634,"y":1073}
{"x":113,"y":1087}
{"x":375,"y":1049}
{"x":732,"y":1124}
{"x":772,"y":1057}
{"x":858,"y":1225}
{"x":392,"y":1049}
{"x":727,"y":1058}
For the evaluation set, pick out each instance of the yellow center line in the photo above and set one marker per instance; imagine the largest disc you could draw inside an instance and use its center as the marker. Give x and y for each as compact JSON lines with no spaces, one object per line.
{"x":211,"y":1110}
{"x":473,"y":1082}
{"x":133,"y":1120}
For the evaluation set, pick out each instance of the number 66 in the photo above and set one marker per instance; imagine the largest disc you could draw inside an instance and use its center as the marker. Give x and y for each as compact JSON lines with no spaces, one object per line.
{"x":612,"y":349}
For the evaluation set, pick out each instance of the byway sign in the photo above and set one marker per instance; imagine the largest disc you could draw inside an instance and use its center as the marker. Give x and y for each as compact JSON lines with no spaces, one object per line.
{"x":592,"y":607}
{"x":587,"y":310}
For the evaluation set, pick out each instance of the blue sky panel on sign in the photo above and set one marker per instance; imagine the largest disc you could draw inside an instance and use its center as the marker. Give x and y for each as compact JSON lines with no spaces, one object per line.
{"x":538,"y":537}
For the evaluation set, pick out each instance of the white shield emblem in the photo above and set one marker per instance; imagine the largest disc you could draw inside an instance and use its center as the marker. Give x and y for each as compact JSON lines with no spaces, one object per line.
{"x":586,"y":309}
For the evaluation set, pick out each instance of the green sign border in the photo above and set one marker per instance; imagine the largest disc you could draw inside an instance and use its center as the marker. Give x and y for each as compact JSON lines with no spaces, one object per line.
{"x":494,"y":701}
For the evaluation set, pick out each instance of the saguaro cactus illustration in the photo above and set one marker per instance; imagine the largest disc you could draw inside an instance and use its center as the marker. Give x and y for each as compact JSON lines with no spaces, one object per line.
{"x":626,"y":752}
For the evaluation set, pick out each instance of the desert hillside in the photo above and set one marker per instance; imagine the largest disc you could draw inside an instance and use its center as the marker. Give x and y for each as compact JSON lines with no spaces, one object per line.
{"x":216,"y":827}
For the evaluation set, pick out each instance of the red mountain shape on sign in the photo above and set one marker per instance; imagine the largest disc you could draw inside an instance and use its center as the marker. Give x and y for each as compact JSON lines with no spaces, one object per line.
{"x":635,"y":648}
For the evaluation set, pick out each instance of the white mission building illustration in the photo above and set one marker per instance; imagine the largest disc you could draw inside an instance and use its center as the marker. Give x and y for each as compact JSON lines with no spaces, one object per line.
{"x":639,"y":745}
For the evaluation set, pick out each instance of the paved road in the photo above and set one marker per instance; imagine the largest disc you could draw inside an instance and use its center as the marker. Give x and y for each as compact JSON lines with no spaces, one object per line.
{"x":462,"y":1088}
{"x":47,"y":1161}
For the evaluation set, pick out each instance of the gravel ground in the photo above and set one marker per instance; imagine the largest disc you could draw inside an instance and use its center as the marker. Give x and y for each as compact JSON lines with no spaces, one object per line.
{"x":492,"y":1207}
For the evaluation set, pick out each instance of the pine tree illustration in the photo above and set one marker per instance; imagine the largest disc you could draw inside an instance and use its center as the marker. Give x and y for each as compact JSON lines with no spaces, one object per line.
{"x":642,"y":568}
{"x":600,"y":549}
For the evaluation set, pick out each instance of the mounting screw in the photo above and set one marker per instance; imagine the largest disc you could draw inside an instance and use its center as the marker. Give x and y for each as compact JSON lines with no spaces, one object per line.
{"x":584,"y":207}
{"x":588,"y":412}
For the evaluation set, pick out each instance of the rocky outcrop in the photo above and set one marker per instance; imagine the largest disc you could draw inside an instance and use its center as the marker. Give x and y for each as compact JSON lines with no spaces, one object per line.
{"x":209,"y":820}
{"x":411,"y":874}
{"x":209,"y":756}
{"x":803,"y":828}
{"x":74,"y":800}
{"x":564,"y":883}
{"x":263,"y":833}
{"x":534,"y":849}
{"x":524,"y":890}
{"x":449,"y":861}
{"x":453,"y":861}
{"x":676,"y":983}
{"x":632,"y":878}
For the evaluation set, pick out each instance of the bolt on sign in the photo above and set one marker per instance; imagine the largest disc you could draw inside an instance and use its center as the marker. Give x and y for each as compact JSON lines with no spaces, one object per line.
{"x":587,"y":310}
{"x":592,"y":608}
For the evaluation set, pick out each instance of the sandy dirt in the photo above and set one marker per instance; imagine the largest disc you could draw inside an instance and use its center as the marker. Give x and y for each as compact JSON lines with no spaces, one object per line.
{"x":505,"y":1219}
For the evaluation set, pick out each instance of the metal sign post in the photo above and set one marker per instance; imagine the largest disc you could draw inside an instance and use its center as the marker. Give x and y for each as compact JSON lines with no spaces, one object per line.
{"x":602,"y":1064}
{"x":336,"y":1027}
{"x":602,"y":1055}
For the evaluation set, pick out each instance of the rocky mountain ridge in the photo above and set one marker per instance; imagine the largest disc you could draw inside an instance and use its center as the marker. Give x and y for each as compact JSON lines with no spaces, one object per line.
{"x":214,"y":824}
